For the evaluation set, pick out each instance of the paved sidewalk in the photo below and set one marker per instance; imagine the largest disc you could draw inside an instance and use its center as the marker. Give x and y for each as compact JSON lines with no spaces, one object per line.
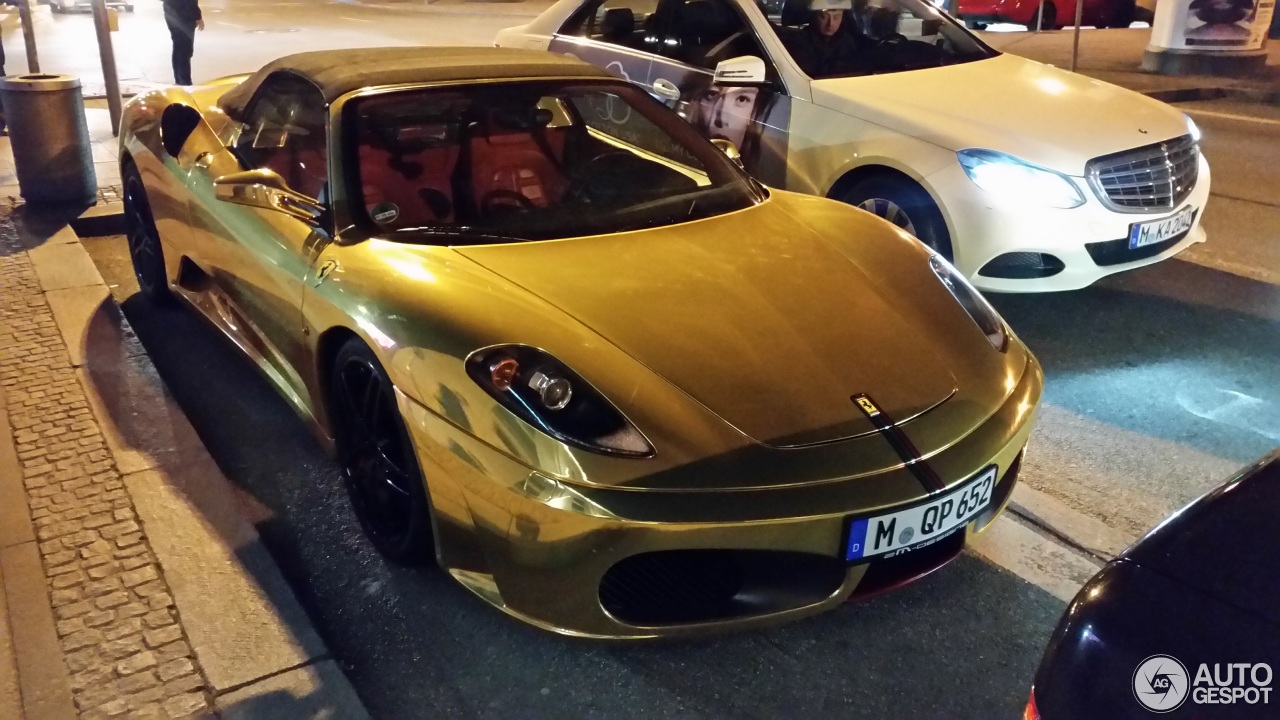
{"x":132,"y":583}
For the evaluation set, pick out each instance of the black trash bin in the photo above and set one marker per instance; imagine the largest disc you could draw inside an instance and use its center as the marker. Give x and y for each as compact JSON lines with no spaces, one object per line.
{"x":52,"y":153}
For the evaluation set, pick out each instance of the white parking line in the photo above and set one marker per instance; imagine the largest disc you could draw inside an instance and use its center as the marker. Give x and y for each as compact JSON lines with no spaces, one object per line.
{"x":1231,"y":116}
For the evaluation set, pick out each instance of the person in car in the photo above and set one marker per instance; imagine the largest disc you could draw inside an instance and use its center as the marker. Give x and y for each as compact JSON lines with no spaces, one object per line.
{"x":826,"y":47}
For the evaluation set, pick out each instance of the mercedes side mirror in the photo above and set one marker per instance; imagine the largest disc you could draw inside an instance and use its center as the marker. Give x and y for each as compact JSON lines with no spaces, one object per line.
{"x":729,"y":149}
{"x":745,"y":71}
{"x":265,"y":189}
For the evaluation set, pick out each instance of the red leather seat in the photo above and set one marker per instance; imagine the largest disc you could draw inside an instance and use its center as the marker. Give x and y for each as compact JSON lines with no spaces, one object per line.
{"x":508,"y":158}
{"x":418,"y":185}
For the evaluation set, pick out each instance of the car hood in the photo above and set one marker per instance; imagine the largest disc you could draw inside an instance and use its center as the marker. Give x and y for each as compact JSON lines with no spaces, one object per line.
{"x":1046,"y":116}
{"x":759,"y":319}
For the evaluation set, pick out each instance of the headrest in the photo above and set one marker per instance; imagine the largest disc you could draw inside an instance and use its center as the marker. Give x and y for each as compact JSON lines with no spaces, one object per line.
{"x":795,"y":13}
{"x":701,"y":17}
{"x":617,"y":23}
{"x":820,"y":5}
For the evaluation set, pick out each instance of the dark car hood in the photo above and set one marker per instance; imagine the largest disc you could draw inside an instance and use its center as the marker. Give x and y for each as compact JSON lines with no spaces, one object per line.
{"x":1225,"y":544}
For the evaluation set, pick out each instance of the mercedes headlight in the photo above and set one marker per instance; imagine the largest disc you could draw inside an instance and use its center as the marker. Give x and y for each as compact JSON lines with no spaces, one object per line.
{"x":971,"y":300}
{"x":1193,"y":129}
{"x":1018,"y":182}
{"x":550,"y":396}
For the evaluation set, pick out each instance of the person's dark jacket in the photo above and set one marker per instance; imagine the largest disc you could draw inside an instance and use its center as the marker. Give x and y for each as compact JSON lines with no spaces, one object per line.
{"x":186,"y":12}
{"x":821,"y":56}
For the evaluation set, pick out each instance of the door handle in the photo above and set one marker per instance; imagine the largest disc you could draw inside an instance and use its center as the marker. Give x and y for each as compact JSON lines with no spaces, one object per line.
{"x":666,"y":89}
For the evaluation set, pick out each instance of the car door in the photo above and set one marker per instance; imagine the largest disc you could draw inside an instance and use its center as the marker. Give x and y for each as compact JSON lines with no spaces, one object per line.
{"x":258,"y":258}
{"x":699,"y":34}
{"x":618,"y":35}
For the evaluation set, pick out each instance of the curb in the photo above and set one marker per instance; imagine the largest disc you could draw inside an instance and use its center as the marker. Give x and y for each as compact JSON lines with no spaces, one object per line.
{"x":255,"y":646}
{"x":1249,"y":95}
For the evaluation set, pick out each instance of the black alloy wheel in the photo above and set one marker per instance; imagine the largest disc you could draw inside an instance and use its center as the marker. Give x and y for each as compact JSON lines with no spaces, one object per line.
{"x":145,"y":250}
{"x":906,"y":205}
{"x":379,"y":467}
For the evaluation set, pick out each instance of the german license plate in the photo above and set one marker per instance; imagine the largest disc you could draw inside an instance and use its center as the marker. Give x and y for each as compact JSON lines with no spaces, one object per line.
{"x":1157,"y":231}
{"x":912,"y":527}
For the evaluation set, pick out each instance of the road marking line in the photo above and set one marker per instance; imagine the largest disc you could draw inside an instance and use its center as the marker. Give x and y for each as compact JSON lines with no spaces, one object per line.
{"x":344,"y":17}
{"x":1231,"y":116}
{"x":1041,"y":561}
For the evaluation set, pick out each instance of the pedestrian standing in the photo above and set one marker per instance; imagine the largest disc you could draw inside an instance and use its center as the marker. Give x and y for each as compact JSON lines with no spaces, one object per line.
{"x":183,"y":18}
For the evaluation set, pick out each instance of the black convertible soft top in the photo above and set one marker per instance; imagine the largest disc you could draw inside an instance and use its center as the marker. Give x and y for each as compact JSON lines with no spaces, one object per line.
{"x":338,"y":72}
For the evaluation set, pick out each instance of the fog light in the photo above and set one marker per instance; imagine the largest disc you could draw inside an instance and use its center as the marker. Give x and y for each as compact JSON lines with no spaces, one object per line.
{"x":556,"y":494}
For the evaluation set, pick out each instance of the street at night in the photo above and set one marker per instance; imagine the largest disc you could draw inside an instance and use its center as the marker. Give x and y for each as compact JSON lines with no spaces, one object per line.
{"x":1159,"y":384}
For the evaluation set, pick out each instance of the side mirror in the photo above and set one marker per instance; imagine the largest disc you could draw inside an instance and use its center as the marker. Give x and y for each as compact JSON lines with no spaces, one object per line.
{"x":729,"y":149}
{"x":265,"y":189}
{"x":176,"y":125}
{"x":747,"y":70}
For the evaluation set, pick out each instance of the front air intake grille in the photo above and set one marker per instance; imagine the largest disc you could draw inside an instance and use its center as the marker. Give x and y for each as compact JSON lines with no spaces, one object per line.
{"x":1023,"y":266}
{"x":680,"y":587}
{"x":1151,"y":178}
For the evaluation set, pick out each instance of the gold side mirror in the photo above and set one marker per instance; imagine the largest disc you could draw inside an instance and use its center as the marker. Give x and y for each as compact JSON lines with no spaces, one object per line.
{"x":265,"y":189}
{"x":729,"y":149}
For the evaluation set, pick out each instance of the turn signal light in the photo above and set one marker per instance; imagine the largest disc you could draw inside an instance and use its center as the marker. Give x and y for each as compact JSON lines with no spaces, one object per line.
{"x":1031,"y":713}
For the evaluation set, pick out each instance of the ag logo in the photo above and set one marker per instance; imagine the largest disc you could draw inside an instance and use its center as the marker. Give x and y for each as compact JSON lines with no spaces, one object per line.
{"x":1160,"y":683}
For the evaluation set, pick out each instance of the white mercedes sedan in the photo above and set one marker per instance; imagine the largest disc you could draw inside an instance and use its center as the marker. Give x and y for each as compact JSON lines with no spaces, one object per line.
{"x":1029,"y":178}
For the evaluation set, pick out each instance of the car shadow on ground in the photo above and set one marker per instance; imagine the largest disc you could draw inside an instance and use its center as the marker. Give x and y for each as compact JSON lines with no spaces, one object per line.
{"x":1174,"y":350}
{"x":962,"y":642}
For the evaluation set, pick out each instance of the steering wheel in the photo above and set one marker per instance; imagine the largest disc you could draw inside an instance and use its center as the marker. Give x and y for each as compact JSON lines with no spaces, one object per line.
{"x":893,"y":39}
{"x":579,"y":186}
{"x":503,"y":200}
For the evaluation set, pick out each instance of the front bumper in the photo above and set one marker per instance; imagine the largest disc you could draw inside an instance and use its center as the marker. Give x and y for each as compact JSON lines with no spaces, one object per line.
{"x":982,"y":230}
{"x":610,"y":563}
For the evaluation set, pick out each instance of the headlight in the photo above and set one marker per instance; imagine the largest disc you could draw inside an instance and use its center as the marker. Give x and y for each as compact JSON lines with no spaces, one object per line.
{"x":1018,"y":182}
{"x":972,"y":301}
{"x":548,"y":395}
{"x":1193,"y":128}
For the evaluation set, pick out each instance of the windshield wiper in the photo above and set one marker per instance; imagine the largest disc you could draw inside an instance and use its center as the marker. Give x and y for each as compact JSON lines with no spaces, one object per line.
{"x":468,"y":236}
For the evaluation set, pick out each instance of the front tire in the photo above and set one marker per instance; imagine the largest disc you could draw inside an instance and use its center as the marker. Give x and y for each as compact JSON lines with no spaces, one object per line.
{"x":145,"y":250}
{"x":379,"y":465}
{"x":905,"y":204}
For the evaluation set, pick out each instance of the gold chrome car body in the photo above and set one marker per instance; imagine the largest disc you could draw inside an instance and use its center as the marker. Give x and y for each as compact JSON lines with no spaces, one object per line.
{"x":734,"y":344}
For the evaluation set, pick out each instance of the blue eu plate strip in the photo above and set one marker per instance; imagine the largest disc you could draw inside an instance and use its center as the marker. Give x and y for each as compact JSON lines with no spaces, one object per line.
{"x":857,"y":539}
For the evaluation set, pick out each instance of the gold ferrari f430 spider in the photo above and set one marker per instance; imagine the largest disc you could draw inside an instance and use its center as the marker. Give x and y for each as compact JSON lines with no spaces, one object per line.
{"x":565,"y":347}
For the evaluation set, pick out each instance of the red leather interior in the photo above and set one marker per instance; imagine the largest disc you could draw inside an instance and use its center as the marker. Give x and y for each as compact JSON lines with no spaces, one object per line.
{"x":415,"y":168}
{"x":415,"y":183}
{"x":514,"y":161}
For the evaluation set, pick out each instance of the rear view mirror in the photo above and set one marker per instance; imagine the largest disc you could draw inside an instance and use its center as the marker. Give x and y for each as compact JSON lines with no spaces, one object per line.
{"x":265,"y":189}
{"x":747,"y":70}
{"x":729,"y":149}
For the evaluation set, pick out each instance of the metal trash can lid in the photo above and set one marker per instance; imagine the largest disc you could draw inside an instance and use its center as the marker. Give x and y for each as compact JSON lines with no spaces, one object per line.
{"x":39,"y":82}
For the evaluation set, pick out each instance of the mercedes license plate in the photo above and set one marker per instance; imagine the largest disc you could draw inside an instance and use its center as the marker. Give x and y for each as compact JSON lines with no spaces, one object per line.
{"x":1157,"y":231}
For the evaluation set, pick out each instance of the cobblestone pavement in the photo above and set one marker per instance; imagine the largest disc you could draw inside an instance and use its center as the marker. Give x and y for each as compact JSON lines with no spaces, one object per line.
{"x":124,"y":644}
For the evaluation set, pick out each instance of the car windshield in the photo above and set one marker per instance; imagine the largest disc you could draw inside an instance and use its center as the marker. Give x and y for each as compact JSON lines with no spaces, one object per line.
{"x":530,"y":161}
{"x":843,"y":38}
